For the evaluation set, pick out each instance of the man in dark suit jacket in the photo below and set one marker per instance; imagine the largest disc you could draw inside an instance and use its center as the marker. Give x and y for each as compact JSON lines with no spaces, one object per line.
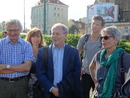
{"x":61,"y":77}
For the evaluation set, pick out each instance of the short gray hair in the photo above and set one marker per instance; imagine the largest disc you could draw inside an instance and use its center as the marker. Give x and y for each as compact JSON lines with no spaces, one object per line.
{"x":13,"y":21}
{"x":64,"y":28}
{"x":113,"y":30}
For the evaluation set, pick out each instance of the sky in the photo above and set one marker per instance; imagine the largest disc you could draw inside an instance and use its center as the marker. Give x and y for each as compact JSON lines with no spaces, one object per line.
{"x":14,"y":9}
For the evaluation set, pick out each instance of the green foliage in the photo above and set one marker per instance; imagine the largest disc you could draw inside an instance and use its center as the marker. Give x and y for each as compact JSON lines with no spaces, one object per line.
{"x":47,"y":39}
{"x":23,"y":36}
{"x":73,"y":29}
{"x":125,"y":45}
{"x":3,"y":25}
{"x":0,"y":34}
{"x":72,"y":39}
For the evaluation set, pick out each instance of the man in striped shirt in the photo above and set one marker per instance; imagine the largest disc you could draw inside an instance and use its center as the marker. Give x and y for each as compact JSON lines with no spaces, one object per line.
{"x":16,"y":57}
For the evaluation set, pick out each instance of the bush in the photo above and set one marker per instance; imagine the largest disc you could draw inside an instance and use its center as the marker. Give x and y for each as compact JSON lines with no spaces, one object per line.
{"x":47,"y":39}
{"x":72,"y":39}
{"x":125,"y":45}
{"x":23,"y":36}
{"x":0,"y":34}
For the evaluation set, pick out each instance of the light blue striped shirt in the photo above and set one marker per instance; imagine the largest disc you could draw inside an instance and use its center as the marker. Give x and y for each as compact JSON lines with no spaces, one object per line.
{"x":58,"y":55}
{"x":15,"y":53}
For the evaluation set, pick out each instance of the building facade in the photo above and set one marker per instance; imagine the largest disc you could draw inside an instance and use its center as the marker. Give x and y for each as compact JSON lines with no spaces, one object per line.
{"x":124,"y":8}
{"x":123,"y":22}
{"x":56,"y":12}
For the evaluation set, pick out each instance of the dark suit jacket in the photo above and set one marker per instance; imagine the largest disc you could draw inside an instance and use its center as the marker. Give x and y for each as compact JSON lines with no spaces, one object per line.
{"x":71,"y":73}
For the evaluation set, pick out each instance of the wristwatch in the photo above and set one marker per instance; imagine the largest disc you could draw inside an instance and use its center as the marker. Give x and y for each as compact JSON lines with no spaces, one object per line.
{"x":8,"y":66}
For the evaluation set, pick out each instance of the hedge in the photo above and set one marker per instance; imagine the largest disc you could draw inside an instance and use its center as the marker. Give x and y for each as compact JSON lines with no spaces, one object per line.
{"x":125,"y":45}
{"x":72,"y":39}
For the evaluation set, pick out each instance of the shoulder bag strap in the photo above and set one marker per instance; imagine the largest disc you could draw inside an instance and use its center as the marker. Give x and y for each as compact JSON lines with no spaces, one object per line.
{"x":84,"y":41}
{"x":45,"y":56}
{"x":86,"y":38}
{"x":122,"y":70}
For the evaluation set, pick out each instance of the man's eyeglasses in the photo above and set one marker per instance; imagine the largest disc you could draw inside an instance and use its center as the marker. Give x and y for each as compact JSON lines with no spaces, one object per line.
{"x":105,"y":37}
{"x":15,"y":30}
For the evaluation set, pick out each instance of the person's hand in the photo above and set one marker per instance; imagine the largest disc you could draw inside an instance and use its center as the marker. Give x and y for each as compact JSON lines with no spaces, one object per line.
{"x":55,"y":91}
{"x":95,"y":83}
{"x":82,"y":71}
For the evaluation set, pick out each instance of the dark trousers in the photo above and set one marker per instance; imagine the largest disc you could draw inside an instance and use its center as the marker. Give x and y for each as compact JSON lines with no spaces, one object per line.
{"x":14,"y":89}
{"x":86,"y":83}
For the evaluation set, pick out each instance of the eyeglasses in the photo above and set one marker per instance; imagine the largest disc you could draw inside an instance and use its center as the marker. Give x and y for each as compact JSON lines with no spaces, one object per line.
{"x":15,"y":30}
{"x":105,"y":37}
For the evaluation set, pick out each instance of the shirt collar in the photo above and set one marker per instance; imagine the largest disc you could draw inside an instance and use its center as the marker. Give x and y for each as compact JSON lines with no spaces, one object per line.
{"x":7,"y":40}
{"x":53,"y":46}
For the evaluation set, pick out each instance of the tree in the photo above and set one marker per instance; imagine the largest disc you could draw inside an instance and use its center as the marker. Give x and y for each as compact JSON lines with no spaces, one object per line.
{"x":3,"y":25}
{"x":73,"y":29}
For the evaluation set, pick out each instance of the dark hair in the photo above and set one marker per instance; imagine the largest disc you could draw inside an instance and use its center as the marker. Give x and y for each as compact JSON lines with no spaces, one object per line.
{"x":97,"y":17}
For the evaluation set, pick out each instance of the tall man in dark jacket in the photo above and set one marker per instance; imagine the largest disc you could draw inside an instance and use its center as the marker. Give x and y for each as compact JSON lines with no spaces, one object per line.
{"x":61,"y":76}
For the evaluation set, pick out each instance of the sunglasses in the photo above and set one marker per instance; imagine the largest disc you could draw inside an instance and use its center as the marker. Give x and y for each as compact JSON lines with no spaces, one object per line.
{"x":105,"y":37}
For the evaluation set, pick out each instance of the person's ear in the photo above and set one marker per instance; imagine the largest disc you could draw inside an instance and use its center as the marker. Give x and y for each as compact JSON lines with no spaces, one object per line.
{"x":65,"y":35}
{"x":116,"y":41}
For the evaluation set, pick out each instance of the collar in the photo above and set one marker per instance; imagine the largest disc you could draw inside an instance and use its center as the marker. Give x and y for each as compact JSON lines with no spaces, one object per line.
{"x":53,"y":46}
{"x":7,"y":40}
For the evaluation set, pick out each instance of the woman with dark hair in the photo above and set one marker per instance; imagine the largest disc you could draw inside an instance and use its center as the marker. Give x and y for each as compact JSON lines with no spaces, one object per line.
{"x":34,"y":36}
{"x":108,"y":68}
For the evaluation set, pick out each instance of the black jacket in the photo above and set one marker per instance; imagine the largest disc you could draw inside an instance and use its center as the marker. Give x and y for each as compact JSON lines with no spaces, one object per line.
{"x":126,"y":86}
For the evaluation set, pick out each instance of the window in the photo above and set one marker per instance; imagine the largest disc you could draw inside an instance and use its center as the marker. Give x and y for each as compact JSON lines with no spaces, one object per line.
{"x":54,"y":14}
{"x":58,"y":14}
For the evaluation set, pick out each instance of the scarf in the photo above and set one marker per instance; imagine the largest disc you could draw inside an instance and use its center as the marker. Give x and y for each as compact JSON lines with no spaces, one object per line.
{"x":112,"y":63}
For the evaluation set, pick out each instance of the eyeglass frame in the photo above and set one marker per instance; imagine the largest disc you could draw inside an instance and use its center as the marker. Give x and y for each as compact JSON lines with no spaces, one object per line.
{"x":106,"y":37}
{"x":14,"y":30}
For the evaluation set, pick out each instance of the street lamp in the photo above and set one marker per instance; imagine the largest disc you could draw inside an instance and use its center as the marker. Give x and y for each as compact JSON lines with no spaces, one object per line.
{"x":24,"y":17}
{"x":44,"y":16}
